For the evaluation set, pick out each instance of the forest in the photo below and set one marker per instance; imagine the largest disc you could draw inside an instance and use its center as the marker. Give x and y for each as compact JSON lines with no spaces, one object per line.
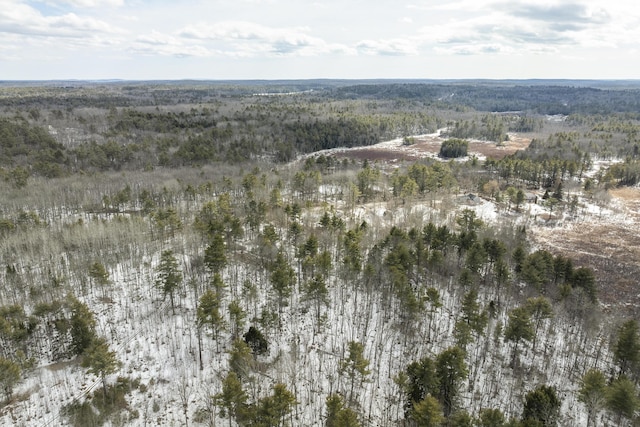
{"x":320,"y":253}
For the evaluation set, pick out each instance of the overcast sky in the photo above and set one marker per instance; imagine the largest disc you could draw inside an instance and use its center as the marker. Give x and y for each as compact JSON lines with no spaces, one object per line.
{"x":291,"y":39}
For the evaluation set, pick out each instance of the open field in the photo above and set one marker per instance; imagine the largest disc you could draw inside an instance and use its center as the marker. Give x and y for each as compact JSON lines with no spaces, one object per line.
{"x":429,"y":146}
{"x":608,"y":243}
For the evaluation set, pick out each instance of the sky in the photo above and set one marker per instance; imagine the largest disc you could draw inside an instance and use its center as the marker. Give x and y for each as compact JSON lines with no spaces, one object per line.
{"x":299,"y":39}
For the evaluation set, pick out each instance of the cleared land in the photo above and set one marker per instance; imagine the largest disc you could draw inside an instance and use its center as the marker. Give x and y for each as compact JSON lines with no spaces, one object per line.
{"x":429,"y":146}
{"x":608,"y":243}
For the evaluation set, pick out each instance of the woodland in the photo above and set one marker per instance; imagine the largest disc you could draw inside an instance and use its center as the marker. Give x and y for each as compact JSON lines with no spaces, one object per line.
{"x":193,"y":253}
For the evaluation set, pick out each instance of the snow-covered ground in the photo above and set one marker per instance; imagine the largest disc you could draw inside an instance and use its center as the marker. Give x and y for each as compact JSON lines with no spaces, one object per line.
{"x":160,"y":349}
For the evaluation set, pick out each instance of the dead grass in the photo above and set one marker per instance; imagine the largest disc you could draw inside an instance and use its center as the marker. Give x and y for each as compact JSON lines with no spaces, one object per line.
{"x":429,"y":146}
{"x":611,"y":248}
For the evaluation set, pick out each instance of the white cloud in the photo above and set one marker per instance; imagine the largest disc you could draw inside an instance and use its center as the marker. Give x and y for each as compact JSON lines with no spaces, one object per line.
{"x":529,"y":27}
{"x":19,"y":18}
{"x":255,"y":39}
{"x":355,"y":36}
{"x":86,"y":3}
{"x":395,"y":47}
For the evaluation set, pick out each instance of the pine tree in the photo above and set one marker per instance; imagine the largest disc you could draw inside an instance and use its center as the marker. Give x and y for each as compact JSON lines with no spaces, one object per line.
{"x":272,"y":410}
{"x":518,"y":329}
{"x":338,"y":415}
{"x":316,"y":292}
{"x":100,"y":361}
{"x":237,"y":316}
{"x":232,"y":398}
{"x":83,"y":326}
{"x":593,"y":393}
{"x":282,"y":279}
{"x":543,"y":405}
{"x":427,"y":412}
{"x":240,"y":359}
{"x":169,"y":276}
{"x":489,"y":417}
{"x":622,"y":398}
{"x":355,"y":365}
{"x":451,"y":370}
{"x":539,"y":309}
{"x":9,"y":376}
{"x":215,"y":257}
{"x":208,"y":314}
{"x":626,"y":350}
{"x":99,"y":274}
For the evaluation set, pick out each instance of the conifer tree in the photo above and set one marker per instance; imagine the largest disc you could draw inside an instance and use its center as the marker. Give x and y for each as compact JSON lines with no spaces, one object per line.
{"x":489,"y":417}
{"x":99,"y":274}
{"x":539,"y":309}
{"x":282,"y":279}
{"x":237,"y":316}
{"x":169,"y":276}
{"x":626,"y":350}
{"x":338,"y":415}
{"x":518,"y":329}
{"x":355,"y":365}
{"x":593,"y":393}
{"x":427,"y":412}
{"x":451,"y":369}
{"x":9,"y":376}
{"x":542,"y":405}
{"x":232,"y":398}
{"x":315,"y":291}
{"x":240,"y":359}
{"x":208,"y":314}
{"x":100,"y":361}
{"x":83,"y":326}
{"x":215,"y":256}
{"x":622,"y":398}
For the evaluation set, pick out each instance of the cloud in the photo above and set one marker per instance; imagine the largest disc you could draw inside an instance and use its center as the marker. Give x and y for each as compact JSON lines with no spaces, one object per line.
{"x":575,"y":14}
{"x":166,"y":45}
{"x":87,"y":3}
{"x":525,"y":28}
{"x":251,"y":39}
{"x":395,"y":47}
{"x":19,"y":18}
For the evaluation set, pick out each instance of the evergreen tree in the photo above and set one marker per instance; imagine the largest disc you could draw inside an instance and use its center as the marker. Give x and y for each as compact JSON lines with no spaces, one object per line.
{"x":215,"y":256}
{"x":240,"y":359}
{"x":489,"y":417}
{"x":232,"y":399}
{"x":622,"y":398}
{"x":626,"y":351}
{"x":256,"y":341}
{"x":169,"y":276}
{"x":9,"y":376}
{"x":282,"y":280}
{"x":272,"y":410}
{"x":584,"y":279}
{"x":99,"y":274}
{"x":355,"y":365}
{"x":427,"y":412}
{"x":316,"y":291}
{"x":539,"y":309}
{"x":338,"y":415}
{"x":460,"y":419}
{"x":518,"y":329}
{"x":208,"y":313}
{"x":237,"y":316}
{"x":451,"y":370}
{"x":422,"y":381}
{"x":593,"y":393}
{"x":83,"y":326}
{"x":472,"y":315}
{"x":100,"y":361}
{"x":542,"y":405}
